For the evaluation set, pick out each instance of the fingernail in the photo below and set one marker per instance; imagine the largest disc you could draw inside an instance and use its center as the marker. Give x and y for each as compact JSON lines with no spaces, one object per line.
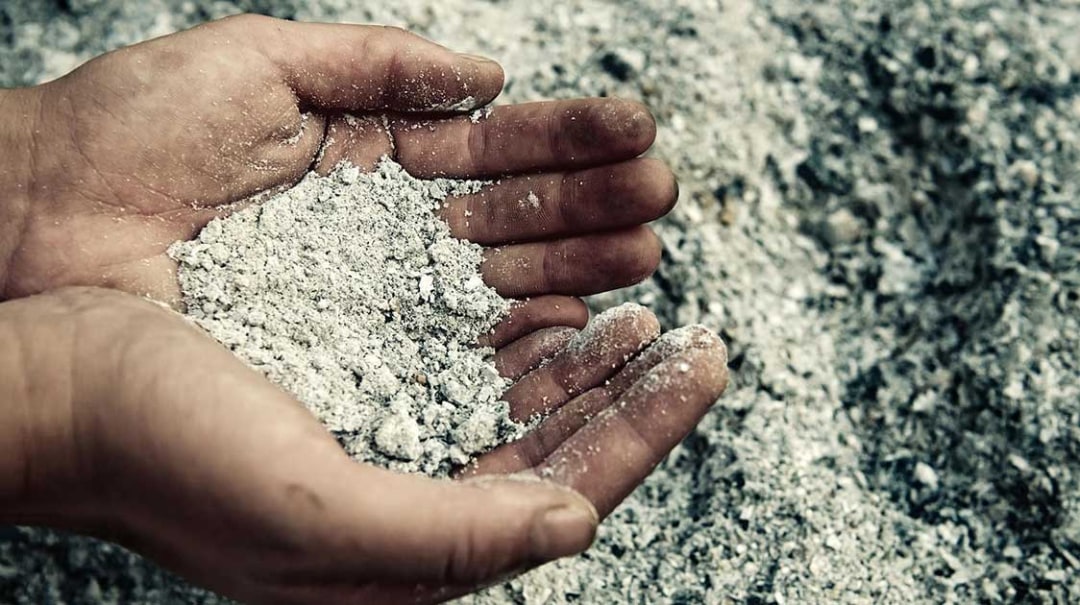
{"x":563,"y":531}
{"x":476,"y":59}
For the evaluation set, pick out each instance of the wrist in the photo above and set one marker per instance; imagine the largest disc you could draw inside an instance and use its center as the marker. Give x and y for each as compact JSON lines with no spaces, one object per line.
{"x":19,"y":109}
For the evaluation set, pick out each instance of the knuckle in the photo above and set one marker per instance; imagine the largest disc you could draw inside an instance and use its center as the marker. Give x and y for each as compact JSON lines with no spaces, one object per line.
{"x":468,"y":561}
{"x":566,"y":198}
{"x":553,"y":263}
{"x":562,"y":129}
{"x":464,"y":221}
{"x":477,"y":145}
{"x":395,"y":37}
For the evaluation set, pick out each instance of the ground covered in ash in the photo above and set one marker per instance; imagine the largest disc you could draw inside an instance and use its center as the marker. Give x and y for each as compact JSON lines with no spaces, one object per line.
{"x":880,"y":214}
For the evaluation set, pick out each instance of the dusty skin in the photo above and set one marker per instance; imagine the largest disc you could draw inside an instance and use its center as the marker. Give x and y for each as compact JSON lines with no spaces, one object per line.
{"x":173,"y":448}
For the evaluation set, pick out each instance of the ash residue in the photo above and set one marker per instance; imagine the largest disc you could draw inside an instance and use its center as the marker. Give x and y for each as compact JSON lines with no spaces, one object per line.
{"x":963,"y":280}
{"x":350,"y":292}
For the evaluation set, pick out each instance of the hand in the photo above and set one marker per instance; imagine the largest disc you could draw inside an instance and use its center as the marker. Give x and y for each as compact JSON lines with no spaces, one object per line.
{"x":123,"y":421}
{"x":218,"y":474}
{"x":141,"y":147}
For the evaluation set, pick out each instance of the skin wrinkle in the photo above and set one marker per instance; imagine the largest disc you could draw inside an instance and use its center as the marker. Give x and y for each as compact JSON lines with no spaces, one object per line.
{"x":477,"y":145}
{"x":392,"y":78}
{"x":82,"y":444}
{"x":59,"y":413}
{"x":555,"y":139}
{"x":58,"y":273}
{"x":97,"y":204}
{"x":19,"y":206}
{"x":462,"y":222}
{"x":91,"y":449}
{"x":323,"y":139}
{"x":310,"y":498}
{"x":567,"y":198}
{"x":549,"y":265}
{"x":284,"y":75}
{"x":78,"y":146}
{"x":139,"y":209}
{"x":391,"y":134}
{"x":203,"y":169}
{"x":26,"y":468}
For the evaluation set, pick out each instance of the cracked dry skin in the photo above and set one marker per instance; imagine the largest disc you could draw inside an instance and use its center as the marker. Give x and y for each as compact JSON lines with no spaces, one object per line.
{"x":879,"y":211}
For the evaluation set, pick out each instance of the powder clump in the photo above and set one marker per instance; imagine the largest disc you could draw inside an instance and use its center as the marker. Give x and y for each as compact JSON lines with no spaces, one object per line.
{"x":350,"y":292}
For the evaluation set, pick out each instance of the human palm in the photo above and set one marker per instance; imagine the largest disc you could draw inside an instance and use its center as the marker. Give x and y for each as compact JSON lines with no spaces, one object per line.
{"x":141,"y":147}
{"x":186,"y":455}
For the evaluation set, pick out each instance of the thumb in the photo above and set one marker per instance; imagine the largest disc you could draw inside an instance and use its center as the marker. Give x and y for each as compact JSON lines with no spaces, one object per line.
{"x":449,"y":536}
{"x":368,"y":68}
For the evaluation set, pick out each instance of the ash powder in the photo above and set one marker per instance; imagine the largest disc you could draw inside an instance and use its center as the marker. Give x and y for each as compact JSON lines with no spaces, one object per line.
{"x":349,"y":292}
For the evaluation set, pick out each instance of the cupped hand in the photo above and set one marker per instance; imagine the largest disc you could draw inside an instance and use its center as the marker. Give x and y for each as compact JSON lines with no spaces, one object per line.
{"x":144,"y":431}
{"x":179,"y":451}
{"x":143,"y":146}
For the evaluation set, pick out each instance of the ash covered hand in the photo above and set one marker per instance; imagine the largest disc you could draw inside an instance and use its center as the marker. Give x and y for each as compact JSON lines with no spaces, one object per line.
{"x":143,"y":146}
{"x":245,"y":492}
{"x":123,"y":421}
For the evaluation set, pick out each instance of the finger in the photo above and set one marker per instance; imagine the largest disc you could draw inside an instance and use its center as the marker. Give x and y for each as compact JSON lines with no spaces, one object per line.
{"x":540,"y":442}
{"x":607,"y":458}
{"x":368,"y":68}
{"x":576,"y":266}
{"x":359,"y":140}
{"x":545,"y":206}
{"x":532,"y":314}
{"x":594,"y":354}
{"x":546,"y":136}
{"x":521,"y":356}
{"x":387,"y":528}
{"x":260,"y":485}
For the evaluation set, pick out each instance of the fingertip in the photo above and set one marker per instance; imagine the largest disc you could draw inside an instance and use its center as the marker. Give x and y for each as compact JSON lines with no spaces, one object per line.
{"x":700,"y":374}
{"x":607,"y":129}
{"x":651,"y":325}
{"x":574,"y":311}
{"x":631,"y":123}
{"x":471,"y":82}
{"x":591,"y":357}
{"x":536,"y":313}
{"x":606,"y":459}
{"x":628,"y":323}
{"x":563,"y":521}
{"x":531,"y":351}
{"x":709,"y":365}
{"x":665,"y":187}
{"x":488,"y":77}
{"x":565,"y":530}
{"x":700,"y":340}
{"x":647,"y":257}
{"x":623,"y":258}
